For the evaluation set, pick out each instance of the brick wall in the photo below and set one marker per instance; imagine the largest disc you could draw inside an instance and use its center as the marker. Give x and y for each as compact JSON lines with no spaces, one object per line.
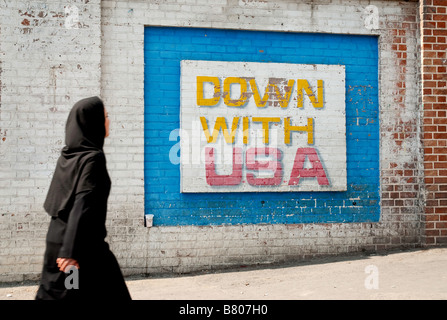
{"x":433,"y":17}
{"x":359,"y":199}
{"x":401,"y":181}
{"x":50,"y":58}
{"x":182,"y":248}
{"x":53,"y":53}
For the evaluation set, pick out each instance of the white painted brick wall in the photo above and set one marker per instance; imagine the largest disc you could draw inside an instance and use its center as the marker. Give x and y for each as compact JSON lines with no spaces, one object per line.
{"x":45,"y":68}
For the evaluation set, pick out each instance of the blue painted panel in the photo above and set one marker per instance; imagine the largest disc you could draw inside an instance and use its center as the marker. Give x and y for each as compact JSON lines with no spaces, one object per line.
{"x":165,"y":47}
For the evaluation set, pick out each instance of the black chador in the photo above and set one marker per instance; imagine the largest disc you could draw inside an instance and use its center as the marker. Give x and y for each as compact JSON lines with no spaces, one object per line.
{"x":77,"y":204}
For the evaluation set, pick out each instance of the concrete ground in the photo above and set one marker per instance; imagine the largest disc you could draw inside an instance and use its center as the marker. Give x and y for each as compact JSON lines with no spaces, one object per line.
{"x":412,"y":274}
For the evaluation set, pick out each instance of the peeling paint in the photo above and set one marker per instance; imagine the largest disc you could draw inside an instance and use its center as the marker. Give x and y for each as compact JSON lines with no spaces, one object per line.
{"x":3,"y":134}
{"x":54,"y":72}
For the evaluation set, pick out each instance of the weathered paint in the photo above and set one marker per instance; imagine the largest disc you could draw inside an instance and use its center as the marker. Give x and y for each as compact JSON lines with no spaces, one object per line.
{"x":172,"y":207}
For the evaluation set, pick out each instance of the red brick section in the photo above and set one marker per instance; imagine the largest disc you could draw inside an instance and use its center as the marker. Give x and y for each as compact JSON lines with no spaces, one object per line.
{"x":433,"y":19}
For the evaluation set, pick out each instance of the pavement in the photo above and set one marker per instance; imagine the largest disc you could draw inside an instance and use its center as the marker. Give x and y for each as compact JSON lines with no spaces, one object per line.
{"x":411,"y":274}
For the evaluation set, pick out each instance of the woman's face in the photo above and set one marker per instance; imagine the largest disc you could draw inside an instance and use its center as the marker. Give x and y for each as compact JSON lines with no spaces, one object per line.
{"x":107,"y":123}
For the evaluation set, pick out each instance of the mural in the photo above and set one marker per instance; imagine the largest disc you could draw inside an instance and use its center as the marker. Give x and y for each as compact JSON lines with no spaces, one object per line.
{"x":249,"y":126}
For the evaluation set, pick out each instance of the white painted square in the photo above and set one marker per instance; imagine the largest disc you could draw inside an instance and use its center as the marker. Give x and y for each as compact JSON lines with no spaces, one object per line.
{"x":328,"y":122}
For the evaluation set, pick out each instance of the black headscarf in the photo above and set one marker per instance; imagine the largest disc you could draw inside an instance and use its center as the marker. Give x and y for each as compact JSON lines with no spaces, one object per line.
{"x":84,"y":140}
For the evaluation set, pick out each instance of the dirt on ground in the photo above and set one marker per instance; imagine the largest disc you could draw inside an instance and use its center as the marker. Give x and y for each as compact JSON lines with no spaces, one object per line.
{"x":413,"y":274}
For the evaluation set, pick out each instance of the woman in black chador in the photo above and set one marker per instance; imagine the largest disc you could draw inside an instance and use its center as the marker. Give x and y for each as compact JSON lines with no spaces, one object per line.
{"x":77,"y":204}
